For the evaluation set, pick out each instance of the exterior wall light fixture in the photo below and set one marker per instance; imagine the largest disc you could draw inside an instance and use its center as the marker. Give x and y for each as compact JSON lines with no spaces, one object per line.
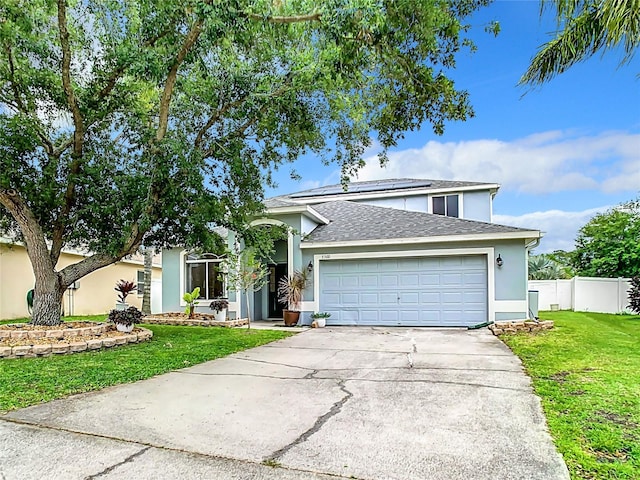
{"x":499,"y":261}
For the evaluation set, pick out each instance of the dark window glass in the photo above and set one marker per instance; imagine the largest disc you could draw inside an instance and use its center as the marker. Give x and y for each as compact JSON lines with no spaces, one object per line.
{"x":452,"y":205}
{"x":438,"y":205}
{"x":215,"y":281}
{"x":196,"y":273}
{"x":206,"y":275}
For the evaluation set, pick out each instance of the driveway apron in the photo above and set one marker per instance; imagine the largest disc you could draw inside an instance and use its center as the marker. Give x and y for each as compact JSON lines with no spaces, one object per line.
{"x":366,"y":403}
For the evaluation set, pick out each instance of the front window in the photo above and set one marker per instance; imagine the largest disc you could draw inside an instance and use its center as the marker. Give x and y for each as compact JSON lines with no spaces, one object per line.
{"x":207,"y":274}
{"x":446,"y":205}
{"x":140,"y":282}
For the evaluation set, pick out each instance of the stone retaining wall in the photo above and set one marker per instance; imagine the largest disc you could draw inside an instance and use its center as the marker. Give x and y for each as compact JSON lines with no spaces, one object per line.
{"x":97,"y":329}
{"x":499,"y":328}
{"x":60,"y":348}
{"x":200,"y":320}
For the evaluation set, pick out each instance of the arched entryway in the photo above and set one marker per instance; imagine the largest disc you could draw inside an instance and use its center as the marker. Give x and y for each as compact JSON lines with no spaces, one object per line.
{"x":265,"y":302}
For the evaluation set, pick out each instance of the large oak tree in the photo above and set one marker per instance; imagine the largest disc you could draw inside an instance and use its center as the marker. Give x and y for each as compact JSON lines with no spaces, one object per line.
{"x":146,"y":122}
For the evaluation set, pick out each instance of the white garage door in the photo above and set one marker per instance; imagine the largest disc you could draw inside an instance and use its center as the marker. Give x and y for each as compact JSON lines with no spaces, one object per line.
{"x":427,"y":291}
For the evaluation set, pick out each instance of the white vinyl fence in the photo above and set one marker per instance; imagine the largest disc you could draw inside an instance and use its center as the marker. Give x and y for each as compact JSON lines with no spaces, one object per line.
{"x":583,"y":294}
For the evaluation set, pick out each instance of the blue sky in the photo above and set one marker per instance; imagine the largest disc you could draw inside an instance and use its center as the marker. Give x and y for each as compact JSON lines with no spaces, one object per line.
{"x":562,"y":152}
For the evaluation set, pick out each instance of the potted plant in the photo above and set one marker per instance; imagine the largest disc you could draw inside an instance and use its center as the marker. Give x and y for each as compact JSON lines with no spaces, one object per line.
{"x":191,"y":299}
{"x":219,"y":307}
{"x":124,"y":288}
{"x":320,"y":319}
{"x":124,"y":320}
{"x":290,"y":291}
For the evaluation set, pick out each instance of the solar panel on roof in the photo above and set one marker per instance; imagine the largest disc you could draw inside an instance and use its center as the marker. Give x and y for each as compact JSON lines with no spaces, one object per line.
{"x":362,"y":188}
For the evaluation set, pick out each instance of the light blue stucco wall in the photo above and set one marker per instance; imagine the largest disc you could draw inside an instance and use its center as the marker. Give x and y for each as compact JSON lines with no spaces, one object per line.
{"x":477,"y":206}
{"x":510,"y":280}
{"x":415,"y":203}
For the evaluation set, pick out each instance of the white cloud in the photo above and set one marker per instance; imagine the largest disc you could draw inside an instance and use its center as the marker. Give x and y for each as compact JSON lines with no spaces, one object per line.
{"x":560,"y":228}
{"x":539,"y":163}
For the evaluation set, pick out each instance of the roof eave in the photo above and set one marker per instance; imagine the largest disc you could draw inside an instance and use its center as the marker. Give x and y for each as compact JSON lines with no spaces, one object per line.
{"x":527,"y":235}
{"x":303,"y":209}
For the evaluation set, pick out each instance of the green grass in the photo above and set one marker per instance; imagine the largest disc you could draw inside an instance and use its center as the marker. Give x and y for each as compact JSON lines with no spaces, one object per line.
{"x":587,"y":372}
{"x":25,"y":382}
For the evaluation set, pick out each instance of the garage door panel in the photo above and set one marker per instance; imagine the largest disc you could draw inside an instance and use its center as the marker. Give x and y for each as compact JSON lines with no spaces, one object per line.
{"x":369,"y":316}
{"x":352,"y":298}
{"x":452,"y":279}
{"x":369,"y":280}
{"x":409,"y":279}
{"x":474,"y":278}
{"x":369,"y":298}
{"x":390,"y":317}
{"x":451,"y":298}
{"x":426,"y":291}
{"x":389,"y":280}
{"x":409,"y":298}
{"x":430,"y":298}
{"x":388,"y":298}
{"x":350,"y":281}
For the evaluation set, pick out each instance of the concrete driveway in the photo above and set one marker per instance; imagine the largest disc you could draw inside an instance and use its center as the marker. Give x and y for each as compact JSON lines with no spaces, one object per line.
{"x":366,"y":403}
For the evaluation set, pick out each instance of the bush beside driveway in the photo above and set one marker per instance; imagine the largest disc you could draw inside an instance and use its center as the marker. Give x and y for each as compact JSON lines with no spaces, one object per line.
{"x":587,"y":373}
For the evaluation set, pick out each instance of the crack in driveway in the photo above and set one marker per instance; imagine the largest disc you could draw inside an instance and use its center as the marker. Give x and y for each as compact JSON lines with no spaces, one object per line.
{"x":320,"y":421}
{"x":116,"y":465}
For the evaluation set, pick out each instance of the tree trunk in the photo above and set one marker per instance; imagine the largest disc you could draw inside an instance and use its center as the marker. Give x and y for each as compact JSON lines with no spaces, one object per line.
{"x":246,"y":292}
{"x":146,"y":293}
{"x":47,"y":302}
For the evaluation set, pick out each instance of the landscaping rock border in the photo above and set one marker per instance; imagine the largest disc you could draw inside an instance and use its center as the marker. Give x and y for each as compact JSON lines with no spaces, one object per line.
{"x":20,"y":332}
{"x":62,"y":346}
{"x":199,"y":320}
{"x":499,"y":328}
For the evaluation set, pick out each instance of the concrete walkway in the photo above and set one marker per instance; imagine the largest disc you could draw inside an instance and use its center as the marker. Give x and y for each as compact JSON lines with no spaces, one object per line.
{"x":336,"y":402}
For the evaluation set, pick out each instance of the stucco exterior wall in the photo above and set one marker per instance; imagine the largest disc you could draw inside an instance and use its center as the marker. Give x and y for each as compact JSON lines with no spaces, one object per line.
{"x":477,"y":206}
{"x":96,"y":294}
{"x":508,"y":290}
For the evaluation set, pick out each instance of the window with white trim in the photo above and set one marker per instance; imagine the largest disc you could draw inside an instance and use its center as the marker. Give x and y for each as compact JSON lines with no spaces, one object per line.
{"x":446,"y":205}
{"x":205,"y":271}
{"x":140,"y":282}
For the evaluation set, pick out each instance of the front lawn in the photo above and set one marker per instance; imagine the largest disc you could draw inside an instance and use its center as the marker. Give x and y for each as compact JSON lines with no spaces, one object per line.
{"x":25,"y":382}
{"x":587,"y":372}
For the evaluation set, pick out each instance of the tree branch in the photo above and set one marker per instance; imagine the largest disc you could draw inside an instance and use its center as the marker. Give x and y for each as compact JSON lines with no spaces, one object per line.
{"x":216,"y":116}
{"x":34,"y":239}
{"x":312,"y":17}
{"x":96,"y":261}
{"x":78,"y":136}
{"x":78,"y":133}
{"x":165,"y":102}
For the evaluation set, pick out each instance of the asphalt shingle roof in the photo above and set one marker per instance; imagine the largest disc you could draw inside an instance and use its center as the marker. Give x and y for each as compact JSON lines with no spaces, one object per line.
{"x":351,"y":221}
{"x":276,"y":202}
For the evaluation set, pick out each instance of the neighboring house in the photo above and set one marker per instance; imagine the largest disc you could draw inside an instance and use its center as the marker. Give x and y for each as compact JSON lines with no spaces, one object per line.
{"x":390,"y":252}
{"x":93,"y":294}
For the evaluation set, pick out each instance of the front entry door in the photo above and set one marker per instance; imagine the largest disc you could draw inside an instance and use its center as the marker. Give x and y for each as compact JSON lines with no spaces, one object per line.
{"x":276,"y":272}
